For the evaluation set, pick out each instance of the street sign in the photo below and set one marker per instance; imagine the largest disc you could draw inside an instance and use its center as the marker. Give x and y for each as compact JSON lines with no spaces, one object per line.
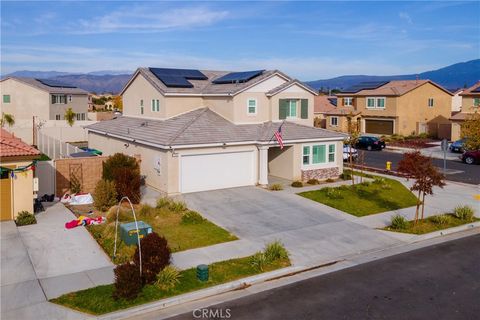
{"x":444,"y":146}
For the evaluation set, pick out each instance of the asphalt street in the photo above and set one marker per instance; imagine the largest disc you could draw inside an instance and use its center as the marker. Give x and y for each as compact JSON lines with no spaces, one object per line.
{"x":436,"y":282}
{"x":465,"y":173}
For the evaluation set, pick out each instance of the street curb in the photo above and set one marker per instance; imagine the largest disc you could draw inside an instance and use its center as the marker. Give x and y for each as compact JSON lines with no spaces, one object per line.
{"x":201,"y":294}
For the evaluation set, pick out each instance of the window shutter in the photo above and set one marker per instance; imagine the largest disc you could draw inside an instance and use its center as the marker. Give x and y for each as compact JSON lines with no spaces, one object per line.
{"x":304,"y":109}
{"x":282,"y":109}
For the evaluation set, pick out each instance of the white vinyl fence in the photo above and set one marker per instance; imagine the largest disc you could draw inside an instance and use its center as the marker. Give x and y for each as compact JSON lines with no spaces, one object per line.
{"x":45,"y":172}
{"x":54,"y":148}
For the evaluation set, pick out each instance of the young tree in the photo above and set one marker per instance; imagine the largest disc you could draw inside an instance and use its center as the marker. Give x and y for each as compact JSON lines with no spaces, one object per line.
{"x":70,"y":116}
{"x":471,"y":132}
{"x":117,"y":101}
{"x":8,"y":119}
{"x":351,"y":141}
{"x":416,"y":166}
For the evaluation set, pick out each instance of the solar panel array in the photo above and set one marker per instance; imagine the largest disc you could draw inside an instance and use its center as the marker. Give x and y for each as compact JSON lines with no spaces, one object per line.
{"x":333,"y":101}
{"x":368,"y":85}
{"x":476,"y":90}
{"x":238,"y":77}
{"x":55,"y":83}
{"x":178,"y":78}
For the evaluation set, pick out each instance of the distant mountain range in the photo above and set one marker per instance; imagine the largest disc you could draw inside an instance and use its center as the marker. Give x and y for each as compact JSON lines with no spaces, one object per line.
{"x":452,"y":77}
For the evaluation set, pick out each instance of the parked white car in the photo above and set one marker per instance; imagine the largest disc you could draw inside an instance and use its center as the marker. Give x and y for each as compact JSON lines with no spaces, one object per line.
{"x":347,"y":151}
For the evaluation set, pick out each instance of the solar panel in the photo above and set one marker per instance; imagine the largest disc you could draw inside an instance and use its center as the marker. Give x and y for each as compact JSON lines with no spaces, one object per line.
{"x":234,"y":77}
{"x":177,"y":78}
{"x":55,"y":83}
{"x":333,"y":101}
{"x":175,"y":81}
{"x":476,"y":90}
{"x":367,"y":85}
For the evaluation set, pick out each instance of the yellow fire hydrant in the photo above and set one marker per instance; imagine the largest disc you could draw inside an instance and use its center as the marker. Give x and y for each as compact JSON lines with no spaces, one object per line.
{"x":389,"y":165}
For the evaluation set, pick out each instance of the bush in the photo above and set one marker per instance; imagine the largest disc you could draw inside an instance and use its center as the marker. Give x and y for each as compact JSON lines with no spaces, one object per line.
{"x":313,"y":181}
{"x":128,"y":283}
{"x":155,"y":256}
{"x":346,"y":176}
{"x":168,"y":278}
{"x":333,"y":193}
{"x":297,"y":184}
{"x":105,"y":195}
{"x":258,"y":261}
{"x":192,"y":217}
{"x":329,"y":180}
{"x":25,"y":218}
{"x":146,"y":211}
{"x":170,"y":204}
{"x":124,"y":214}
{"x":464,"y":213}
{"x":440,"y":219}
{"x":276,"y":187}
{"x":125,"y":171}
{"x":379,"y":180}
{"x":75,"y":185}
{"x":399,"y":222}
{"x":275,"y":251}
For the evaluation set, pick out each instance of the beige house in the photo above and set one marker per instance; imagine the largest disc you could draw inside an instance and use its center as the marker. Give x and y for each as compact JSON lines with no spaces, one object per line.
{"x":204,"y":130}
{"x":395,"y":107}
{"x":470,"y":105}
{"x":16,"y":190}
{"x":322,"y":105}
{"x":44,"y":99}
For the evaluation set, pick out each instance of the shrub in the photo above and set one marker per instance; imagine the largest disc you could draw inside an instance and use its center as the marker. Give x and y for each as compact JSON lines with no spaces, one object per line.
{"x":146,"y":211}
{"x":329,"y":180}
{"x":276,"y":187}
{"x":333,"y":193}
{"x":258,"y":261}
{"x":379,"y":180}
{"x":105,"y":195}
{"x":297,"y":184}
{"x":125,"y":171}
{"x":163,"y":202}
{"x":440,"y":219}
{"x":275,"y":251}
{"x":124,"y":214}
{"x":128,"y":283}
{"x":464,"y":213}
{"x":313,"y":181}
{"x":75,"y":185}
{"x":346,"y":176}
{"x":155,"y":256}
{"x":168,"y":278}
{"x":192,"y":217}
{"x":365,"y":184}
{"x":172,"y":205}
{"x":399,"y":222}
{"x":25,"y":218}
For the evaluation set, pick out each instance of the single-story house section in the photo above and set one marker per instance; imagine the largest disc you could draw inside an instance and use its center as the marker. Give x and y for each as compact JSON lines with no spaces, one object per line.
{"x":201,"y":150}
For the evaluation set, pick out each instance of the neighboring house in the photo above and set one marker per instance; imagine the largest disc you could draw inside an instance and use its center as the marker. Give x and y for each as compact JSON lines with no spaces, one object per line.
{"x":322,"y":105}
{"x":457,"y":100}
{"x":16,"y":193}
{"x":44,"y":99}
{"x":470,"y":104}
{"x":395,"y":107}
{"x":203,"y":130}
{"x":109,"y":105}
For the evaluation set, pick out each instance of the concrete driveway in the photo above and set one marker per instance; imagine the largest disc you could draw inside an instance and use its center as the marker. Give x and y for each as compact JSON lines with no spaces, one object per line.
{"x":313,"y":233}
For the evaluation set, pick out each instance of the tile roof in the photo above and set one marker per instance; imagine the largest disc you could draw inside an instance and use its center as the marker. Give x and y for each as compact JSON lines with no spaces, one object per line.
{"x":461,"y":116}
{"x":323,"y":104}
{"x":468,"y":91}
{"x":394,"y":88}
{"x":203,"y":126}
{"x":342,"y":111}
{"x":37,"y":84}
{"x":11,"y":146}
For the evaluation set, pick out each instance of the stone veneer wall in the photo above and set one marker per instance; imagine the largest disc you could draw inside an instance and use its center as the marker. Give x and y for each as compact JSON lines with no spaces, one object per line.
{"x":320,"y":174}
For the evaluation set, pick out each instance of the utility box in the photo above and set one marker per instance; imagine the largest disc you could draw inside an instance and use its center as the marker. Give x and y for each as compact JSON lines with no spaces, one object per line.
{"x":128,"y":232}
{"x":202,"y":272}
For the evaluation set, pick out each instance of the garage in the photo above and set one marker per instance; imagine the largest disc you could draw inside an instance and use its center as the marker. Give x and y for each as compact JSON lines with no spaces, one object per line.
{"x":5,"y":197}
{"x":379,"y":126}
{"x":202,"y":172}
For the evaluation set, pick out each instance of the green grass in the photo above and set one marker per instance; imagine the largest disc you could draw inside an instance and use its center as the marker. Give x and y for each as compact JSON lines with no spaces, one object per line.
{"x":99,"y":300}
{"x":429,"y":224}
{"x":365,"y":199}
{"x":166,"y":223}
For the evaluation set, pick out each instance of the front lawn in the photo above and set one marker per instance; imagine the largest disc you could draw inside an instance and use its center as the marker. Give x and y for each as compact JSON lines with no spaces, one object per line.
{"x":367,"y":198}
{"x":99,"y":300}
{"x":165,"y":221}
{"x":432,"y":224}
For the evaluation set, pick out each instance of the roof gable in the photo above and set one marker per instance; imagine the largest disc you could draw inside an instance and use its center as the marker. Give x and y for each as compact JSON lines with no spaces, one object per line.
{"x":38,"y":84}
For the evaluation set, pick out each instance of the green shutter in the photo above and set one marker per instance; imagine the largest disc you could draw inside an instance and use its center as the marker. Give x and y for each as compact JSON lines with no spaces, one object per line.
{"x":282,"y":109}
{"x":304,"y":110}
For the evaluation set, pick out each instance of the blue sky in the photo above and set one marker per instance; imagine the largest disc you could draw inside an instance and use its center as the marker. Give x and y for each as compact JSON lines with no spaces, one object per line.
{"x":308,"y":40}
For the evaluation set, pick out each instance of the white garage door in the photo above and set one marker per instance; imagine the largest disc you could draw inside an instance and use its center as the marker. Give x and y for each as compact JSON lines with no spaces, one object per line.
{"x":216,"y":171}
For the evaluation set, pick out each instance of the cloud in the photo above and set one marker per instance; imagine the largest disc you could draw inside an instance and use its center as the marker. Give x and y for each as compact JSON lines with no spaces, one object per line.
{"x":405,"y":16}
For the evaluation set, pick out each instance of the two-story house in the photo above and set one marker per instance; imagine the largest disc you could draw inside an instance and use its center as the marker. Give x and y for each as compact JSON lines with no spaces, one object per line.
{"x":45,"y":99}
{"x":470,"y":105}
{"x":394,"y":107}
{"x":203,"y":130}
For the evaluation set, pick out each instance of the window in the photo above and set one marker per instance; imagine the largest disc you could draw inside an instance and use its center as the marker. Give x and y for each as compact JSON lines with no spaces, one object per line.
{"x":370,"y":102}
{"x":78,"y":116}
{"x":318,"y":155}
{"x":69,"y":98}
{"x":59,"y":99}
{"x":334,"y":121}
{"x":378,"y":103}
{"x":476,"y":102}
{"x":57,"y":117}
{"x":252,"y":106}
{"x":6,"y":98}
{"x":83,"y":116}
{"x":348,"y":101}
{"x":155,"y":105}
{"x":292,"y":108}
{"x":430,"y":102}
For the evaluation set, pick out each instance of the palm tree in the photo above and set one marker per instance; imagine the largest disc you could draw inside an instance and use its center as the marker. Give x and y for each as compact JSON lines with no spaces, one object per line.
{"x":7,"y":119}
{"x":70,"y":116}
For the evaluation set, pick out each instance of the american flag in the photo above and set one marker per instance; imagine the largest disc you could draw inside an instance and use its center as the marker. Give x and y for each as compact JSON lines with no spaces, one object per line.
{"x":278,"y":136}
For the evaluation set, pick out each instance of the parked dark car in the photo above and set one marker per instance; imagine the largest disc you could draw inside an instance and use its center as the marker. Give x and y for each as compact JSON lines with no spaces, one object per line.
{"x":457,"y":146}
{"x":370,"y":143}
{"x":471,"y":157}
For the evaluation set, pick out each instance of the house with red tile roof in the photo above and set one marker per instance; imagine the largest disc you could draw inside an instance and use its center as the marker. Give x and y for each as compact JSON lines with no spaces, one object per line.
{"x":470,"y":105}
